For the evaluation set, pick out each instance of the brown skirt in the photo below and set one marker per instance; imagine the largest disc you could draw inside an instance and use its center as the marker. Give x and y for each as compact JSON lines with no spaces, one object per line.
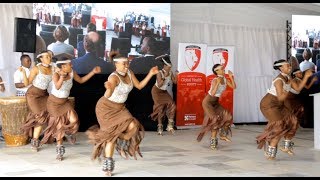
{"x":163,"y":104}
{"x":216,"y":116}
{"x":37,"y":105}
{"x":114,"y":119}
{"x":59,"y":110}
{"x":281,"y":122}
{"x":294,"y":104}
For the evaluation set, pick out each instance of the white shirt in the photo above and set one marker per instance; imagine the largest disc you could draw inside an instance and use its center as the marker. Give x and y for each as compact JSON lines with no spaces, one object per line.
{"x":273,"y":91}
{"x":166,"y":81}
{"x":121,"y":92}
{"x":305,"y":65}
{"x":221,"y":88}
{"x":65,"y":88}
{"x":18,"y":78}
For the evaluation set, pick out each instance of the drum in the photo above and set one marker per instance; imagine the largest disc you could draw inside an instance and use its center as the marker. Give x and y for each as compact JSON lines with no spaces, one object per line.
{"x":14,"y":112}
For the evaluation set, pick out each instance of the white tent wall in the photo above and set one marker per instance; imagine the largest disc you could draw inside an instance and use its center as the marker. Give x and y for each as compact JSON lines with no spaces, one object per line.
{"x":10,"y":60}
{"x":258,"y":32}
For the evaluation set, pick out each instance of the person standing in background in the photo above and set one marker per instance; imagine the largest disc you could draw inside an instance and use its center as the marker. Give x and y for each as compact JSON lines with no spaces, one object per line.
{"x":18,"y":76}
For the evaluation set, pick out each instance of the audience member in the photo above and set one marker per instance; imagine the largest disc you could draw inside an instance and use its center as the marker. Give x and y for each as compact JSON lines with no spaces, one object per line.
{"x":80,"y":47}
{"x":61,"y":34}
{"x":84,"y":64}
{"x":142,"y":65}
{"x":18,"y":76}
{"x":307,"y":63}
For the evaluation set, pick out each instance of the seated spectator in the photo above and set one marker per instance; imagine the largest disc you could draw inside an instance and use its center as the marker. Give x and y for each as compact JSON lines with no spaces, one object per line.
{"x":18,"y":76}
{"x":61,"y":34}
{"x":80,"y":47}
{"x":142,"y":65}
{"x":307,"y":63}
{"x":84,"y":64}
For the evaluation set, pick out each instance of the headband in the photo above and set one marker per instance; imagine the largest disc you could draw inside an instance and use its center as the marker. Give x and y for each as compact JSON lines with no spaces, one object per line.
{"x":217,"y":68}
{"x":120,"y":59}
{"x":168,"y":64}
{"x":39,"y":55}
{"x":63,"y":62}
{"x":297,"y":72}
{"x":281,"y":63}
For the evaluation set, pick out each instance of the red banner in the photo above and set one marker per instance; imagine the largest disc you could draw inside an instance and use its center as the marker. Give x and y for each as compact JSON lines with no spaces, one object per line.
{"x":191,"y":91}
{"x":191,"y":85}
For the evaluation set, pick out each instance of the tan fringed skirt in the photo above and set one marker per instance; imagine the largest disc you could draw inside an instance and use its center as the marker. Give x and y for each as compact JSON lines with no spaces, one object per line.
{"x":281,"y":122}
{"x":163,"y":104}
{"x":114,"y":119}
{"x":216,"y":116}
{"x":59,"y":110}
{"x":37,"y":105}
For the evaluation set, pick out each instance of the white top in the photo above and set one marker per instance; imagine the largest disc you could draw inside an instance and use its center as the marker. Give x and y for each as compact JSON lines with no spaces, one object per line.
{"x":166,"y":82}
{"x":221,"y":88}
{"x":305,"y":65}
{"x":65,"y":88}
{"x":18,"y":78}
{"x":272,"y":90}
{"x":121,"y":92}
{"x":42,"y":81}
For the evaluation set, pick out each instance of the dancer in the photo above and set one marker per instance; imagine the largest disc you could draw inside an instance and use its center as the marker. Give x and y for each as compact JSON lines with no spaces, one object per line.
{"x":216,"y":117}
{"x":63,"y":119}
{"x":281,"y":122}
{"x":36,"y":95}
{"x":163,"y":102}
{"x":117,"y":125}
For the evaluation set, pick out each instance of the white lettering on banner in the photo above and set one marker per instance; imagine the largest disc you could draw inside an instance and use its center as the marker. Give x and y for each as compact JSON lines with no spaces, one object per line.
{"x":190,"y":117}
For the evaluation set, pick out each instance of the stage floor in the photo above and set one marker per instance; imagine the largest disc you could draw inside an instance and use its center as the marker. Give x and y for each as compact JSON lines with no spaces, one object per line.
{"x":170,"y":156}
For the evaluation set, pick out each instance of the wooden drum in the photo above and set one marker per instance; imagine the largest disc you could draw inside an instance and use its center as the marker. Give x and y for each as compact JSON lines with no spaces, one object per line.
{"x":14,"y":112}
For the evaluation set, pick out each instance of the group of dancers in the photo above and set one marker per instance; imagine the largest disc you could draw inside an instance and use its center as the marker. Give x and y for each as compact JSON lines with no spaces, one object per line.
{"x":53,"y":116}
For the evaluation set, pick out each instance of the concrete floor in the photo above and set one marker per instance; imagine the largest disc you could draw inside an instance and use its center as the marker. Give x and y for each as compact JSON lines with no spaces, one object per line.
{"x":170,"y":156}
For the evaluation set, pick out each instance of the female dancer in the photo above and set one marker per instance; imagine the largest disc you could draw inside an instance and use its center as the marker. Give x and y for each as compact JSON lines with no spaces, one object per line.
{"x":37,"y":94}
{"x":63,"y":118}
{"x":163,"y":102}
{"x":217,"y":117}
{"x":116,"y":122}
{"x":281,"y":122}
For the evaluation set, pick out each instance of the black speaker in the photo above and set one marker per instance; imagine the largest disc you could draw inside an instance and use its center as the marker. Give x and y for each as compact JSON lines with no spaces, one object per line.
{"x":152,"y":20}
{"x":25,"y":35}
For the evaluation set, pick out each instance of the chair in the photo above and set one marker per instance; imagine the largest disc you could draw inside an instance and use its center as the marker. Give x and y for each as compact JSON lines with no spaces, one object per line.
{"x":315,"y":52}
{"x":47,"y":37}
{"x":73,"y":35}
{"x":48,"y":28}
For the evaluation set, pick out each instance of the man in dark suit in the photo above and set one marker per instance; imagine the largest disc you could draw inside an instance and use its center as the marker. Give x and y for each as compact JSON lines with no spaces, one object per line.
{"x":140,"y":102}
{"x":142,"y":65}
{"x":80,"y":47}
{"x":84,"y":64}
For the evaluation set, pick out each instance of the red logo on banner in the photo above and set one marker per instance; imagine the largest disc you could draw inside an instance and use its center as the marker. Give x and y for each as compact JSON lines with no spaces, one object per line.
{"x":192,"y":56}
{"x":220,"y":56}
